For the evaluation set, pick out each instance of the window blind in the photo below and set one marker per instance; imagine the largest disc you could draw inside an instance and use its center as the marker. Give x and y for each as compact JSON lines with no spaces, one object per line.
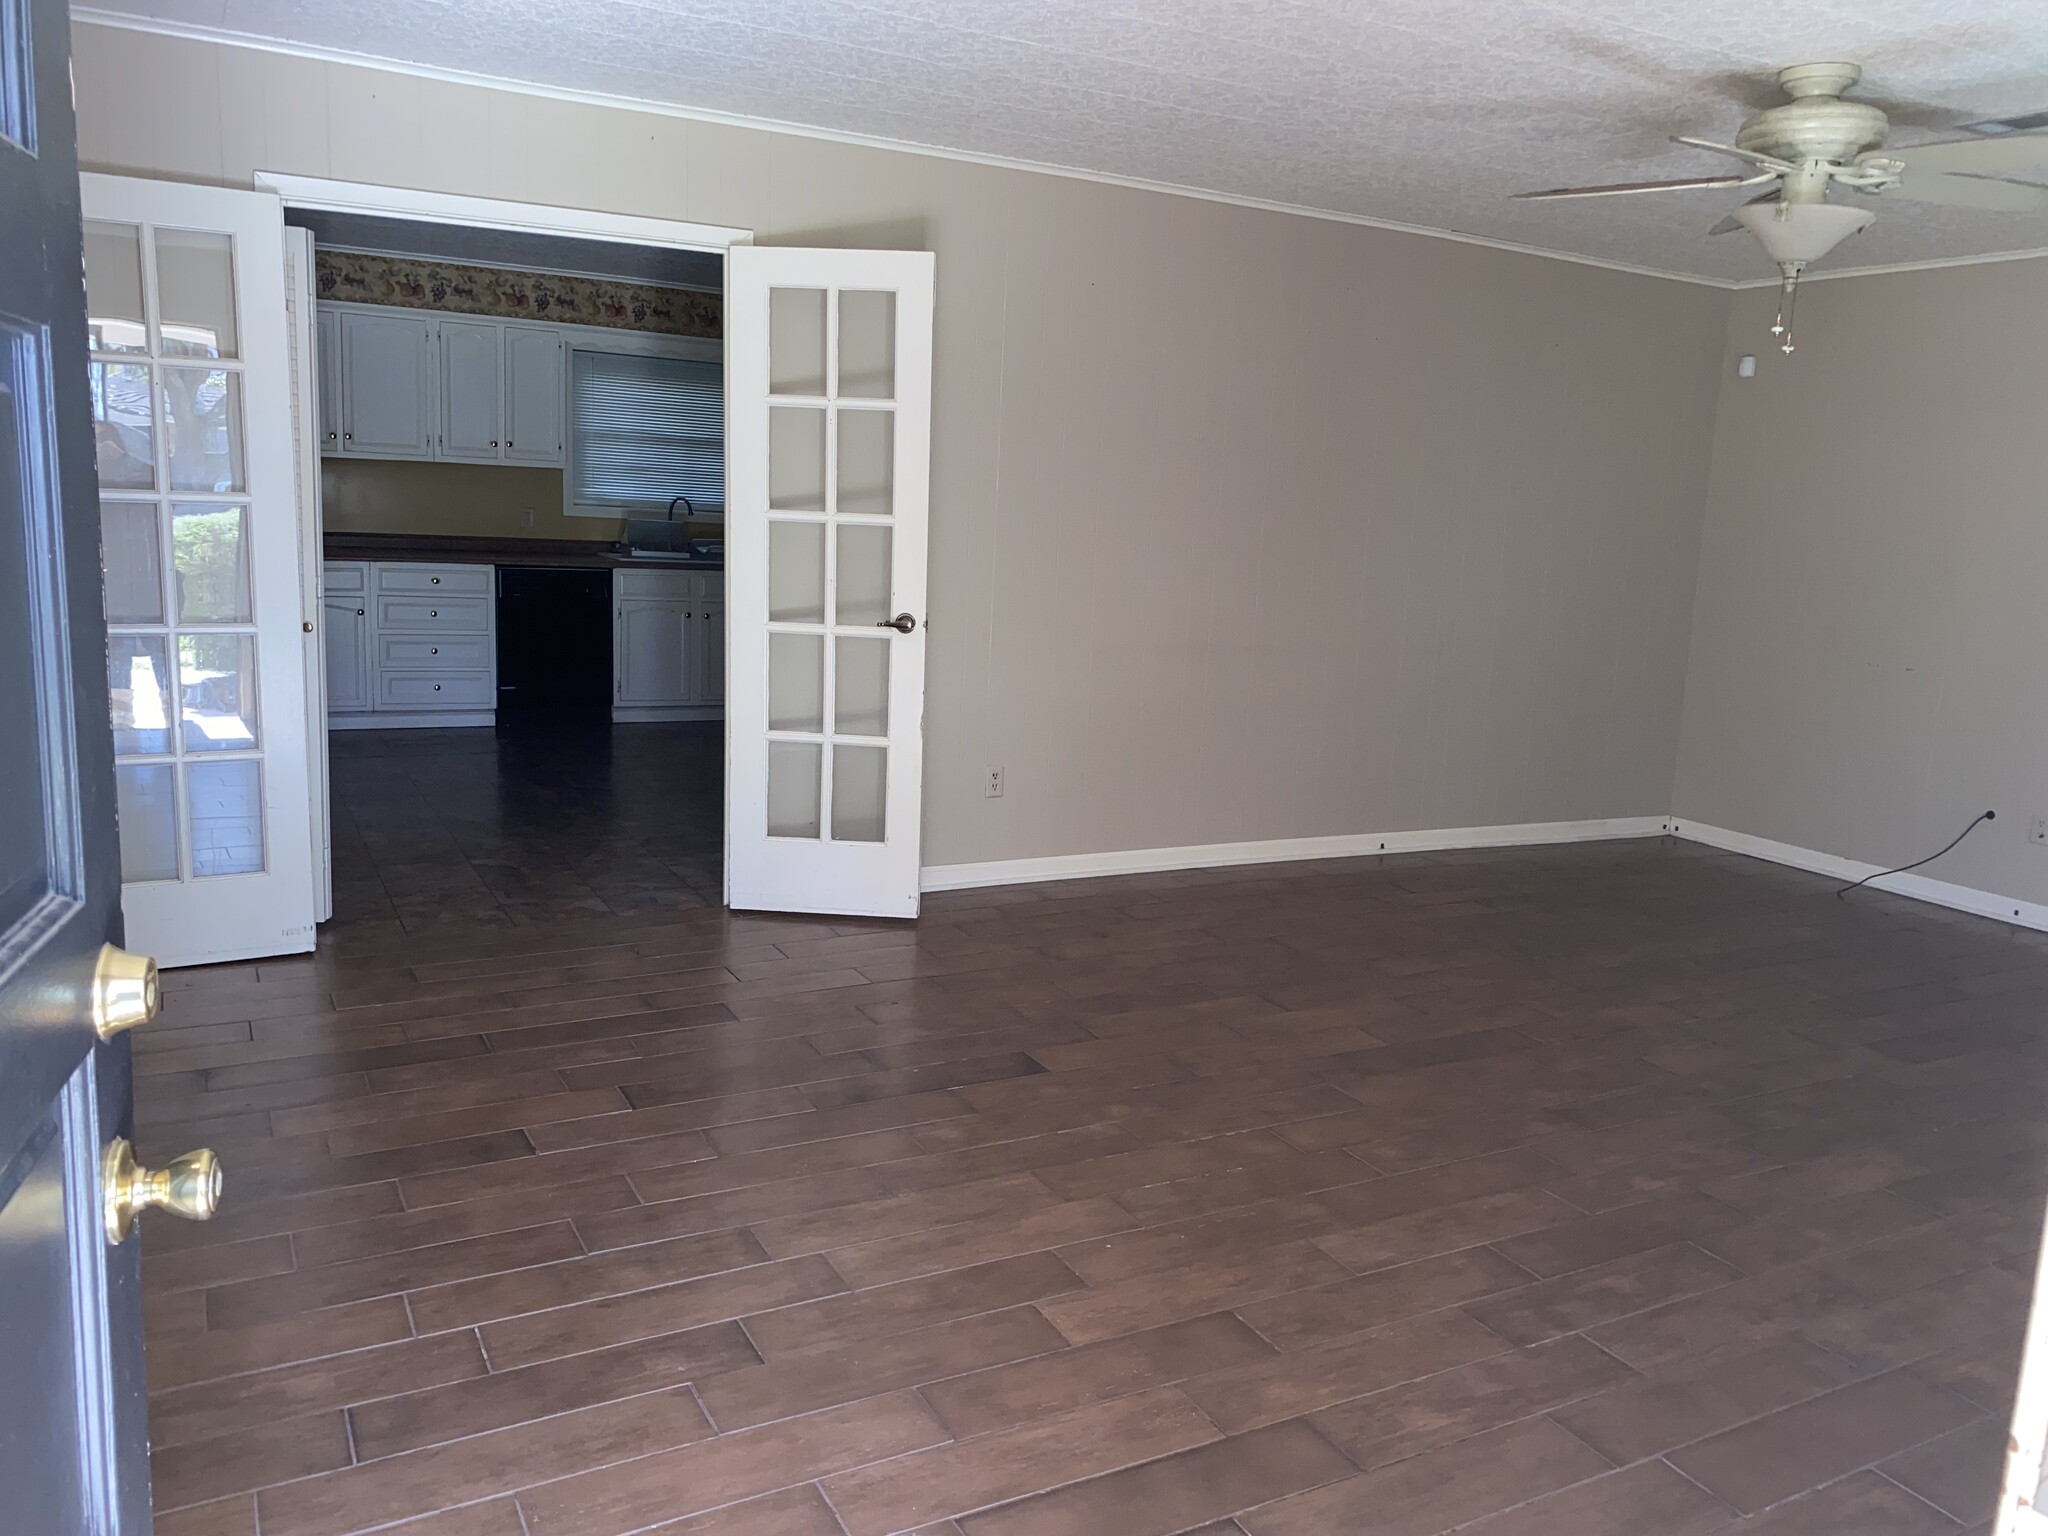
{"x":644,"y":430}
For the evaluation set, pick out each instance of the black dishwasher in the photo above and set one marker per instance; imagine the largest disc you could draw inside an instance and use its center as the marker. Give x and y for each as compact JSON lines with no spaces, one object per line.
{"x":554,"y":640}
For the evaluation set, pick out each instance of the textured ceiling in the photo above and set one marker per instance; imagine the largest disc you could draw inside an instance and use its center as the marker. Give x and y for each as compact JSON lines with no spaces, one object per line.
{"x":1424,"y":112}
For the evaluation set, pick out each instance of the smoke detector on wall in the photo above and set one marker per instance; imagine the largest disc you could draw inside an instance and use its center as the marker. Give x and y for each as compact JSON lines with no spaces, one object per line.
{"x":1817,"y":141}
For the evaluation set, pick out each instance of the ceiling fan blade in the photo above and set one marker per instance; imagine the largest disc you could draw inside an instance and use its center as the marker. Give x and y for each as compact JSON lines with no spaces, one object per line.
{"x":1969,"y":192}
{"x":1623,"y":188}
{"x":1981,"y":157}
{"x":1770,"y":162}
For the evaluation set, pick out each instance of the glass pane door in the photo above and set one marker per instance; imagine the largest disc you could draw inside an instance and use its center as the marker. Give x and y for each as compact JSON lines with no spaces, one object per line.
{"x":200,"y":545}
{"x":829,"y":380}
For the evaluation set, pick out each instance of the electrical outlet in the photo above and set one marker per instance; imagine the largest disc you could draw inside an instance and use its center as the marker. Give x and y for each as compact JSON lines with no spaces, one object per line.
{"x":2037,"y":834}
{"x":993,"y":789}
{"x":529,"y":517}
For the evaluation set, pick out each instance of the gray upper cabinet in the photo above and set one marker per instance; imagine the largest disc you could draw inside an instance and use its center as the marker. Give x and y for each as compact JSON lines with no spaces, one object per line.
{"x":395,"y":384}
{"x":327,"y":353}
{"x":472,"y":371}
{"x":535,"y":362}
{"x":387,"y":396}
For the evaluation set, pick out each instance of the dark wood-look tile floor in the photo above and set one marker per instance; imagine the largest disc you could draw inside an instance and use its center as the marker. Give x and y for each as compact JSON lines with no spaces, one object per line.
{"x":1612,"y":1190}
{"x":548,"y":817}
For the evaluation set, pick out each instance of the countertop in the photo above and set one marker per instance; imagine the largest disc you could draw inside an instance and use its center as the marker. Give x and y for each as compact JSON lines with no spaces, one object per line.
{"x":573,"y":554}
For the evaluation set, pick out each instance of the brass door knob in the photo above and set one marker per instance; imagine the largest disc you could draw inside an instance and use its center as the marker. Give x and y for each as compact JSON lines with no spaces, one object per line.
{"x":187,"y":1186}
{"x":124,"y":991}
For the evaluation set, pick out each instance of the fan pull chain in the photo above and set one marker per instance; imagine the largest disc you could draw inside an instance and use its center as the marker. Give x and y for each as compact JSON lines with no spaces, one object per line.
{"x":1788,"y":295}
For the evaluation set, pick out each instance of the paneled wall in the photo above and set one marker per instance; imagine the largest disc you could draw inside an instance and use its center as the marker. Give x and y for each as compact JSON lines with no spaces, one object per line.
{"x":1245,"y":526}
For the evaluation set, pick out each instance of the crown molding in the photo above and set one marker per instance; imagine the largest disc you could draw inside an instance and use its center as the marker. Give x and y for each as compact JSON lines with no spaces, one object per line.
{"x":196,"y":32}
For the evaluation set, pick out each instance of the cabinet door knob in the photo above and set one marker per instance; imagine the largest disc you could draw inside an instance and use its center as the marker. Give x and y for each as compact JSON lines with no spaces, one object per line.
{"x":349,"y":436}
{"x":359,"y":613}
{"x":435,"y":580}
{"x":494,"y":442}
{"x":437,"y":687}
{"x":433,"y":650}
{"x":433,"y":613}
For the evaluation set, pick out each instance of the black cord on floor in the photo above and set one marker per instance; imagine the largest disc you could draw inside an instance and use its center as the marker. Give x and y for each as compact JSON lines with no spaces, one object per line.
{"x":1986,"y":816}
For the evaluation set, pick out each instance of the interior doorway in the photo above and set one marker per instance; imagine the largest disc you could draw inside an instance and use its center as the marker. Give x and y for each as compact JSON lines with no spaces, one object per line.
{"x":519,"y":503}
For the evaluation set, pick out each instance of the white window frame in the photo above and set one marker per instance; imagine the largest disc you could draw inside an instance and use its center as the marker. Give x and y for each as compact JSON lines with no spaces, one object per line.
{"x":587,"y":338}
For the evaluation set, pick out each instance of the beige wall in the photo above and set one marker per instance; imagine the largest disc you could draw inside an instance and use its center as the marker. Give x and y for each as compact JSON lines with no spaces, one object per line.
{"x":1244,"y":525}
{"x":497,"y":501}
{"x":1870,"y":653}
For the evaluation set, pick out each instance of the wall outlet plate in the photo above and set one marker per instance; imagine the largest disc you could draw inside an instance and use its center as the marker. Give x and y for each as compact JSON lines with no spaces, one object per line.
{"x":992,"y":787}
{"x":2037,"y":833}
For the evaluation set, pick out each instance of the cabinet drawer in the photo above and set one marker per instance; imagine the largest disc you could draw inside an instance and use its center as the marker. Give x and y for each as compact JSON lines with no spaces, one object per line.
{"x":434,"y":615}
{"x":345,"y":576}
{"x":434,"y":653}
{"x":435,"y":690}
{"x":435,"y":579}
{"x":668,"y":586}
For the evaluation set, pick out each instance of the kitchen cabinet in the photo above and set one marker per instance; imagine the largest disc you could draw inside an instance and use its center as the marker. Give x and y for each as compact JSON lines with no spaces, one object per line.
{"x":710,"y":654}
{"x":410,"y":644}
{"x":536,"y":409}
{"x":387,"y":397}
{"x":407,"y":384}
{"x":668,"y":651}
{"x":327,"y":358}
{"x":345,"y":629}
{"x":471,"y":357}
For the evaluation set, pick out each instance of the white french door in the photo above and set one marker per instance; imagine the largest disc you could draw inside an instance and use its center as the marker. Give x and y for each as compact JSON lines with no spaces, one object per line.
{"x":191,"y":393}
{"x":828,"y":462}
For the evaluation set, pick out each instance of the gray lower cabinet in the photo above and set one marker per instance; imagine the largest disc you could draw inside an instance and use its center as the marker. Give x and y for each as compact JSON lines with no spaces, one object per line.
{"x":410,"y":644}
{"x":668,"y":645}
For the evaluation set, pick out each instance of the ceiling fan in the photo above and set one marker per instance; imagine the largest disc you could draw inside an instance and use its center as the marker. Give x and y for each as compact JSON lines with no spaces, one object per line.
{"x":1816,"y":141}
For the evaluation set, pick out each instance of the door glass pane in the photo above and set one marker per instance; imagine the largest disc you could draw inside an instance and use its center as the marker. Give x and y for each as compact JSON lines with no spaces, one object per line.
{"x":139,"y":683}
{"x":113,"y":288}
{"x":225,"y":810}
{"x":217,"y":691}
{"x":859,"y":792}
{"x":796,"y":573}
{"x":796,"y":341}
{"x":867,"y":462}
{"x":796,"y":459}
{"x":860,"y":686}
{"x":796,"y":682}
{"x":867,"y":346}
{"x":863,"y":573}
{"x":203,"y":416}
{"x":210,"y":548}
{"x":793,"y":773}
{"x":124,"y":442}
{"x":132,"y":562}
{"x":195,"y":293}
{"x":145,"y":801}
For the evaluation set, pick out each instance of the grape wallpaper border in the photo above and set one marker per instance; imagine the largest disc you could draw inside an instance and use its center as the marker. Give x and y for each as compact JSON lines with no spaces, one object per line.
{"x":413,"y":282}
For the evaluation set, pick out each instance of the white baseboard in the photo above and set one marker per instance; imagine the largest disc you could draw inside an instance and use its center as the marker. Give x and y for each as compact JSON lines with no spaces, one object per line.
{"x":1963,"y":898}
{"x":391,"y":720}
{"x":1146,"y":861}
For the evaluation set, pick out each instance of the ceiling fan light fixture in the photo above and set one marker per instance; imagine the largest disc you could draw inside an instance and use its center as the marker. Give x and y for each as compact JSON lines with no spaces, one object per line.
{"x":1801,"y":232}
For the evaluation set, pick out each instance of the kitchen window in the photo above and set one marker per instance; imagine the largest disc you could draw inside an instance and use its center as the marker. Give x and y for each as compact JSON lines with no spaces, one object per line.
{"x":644,"y":429}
